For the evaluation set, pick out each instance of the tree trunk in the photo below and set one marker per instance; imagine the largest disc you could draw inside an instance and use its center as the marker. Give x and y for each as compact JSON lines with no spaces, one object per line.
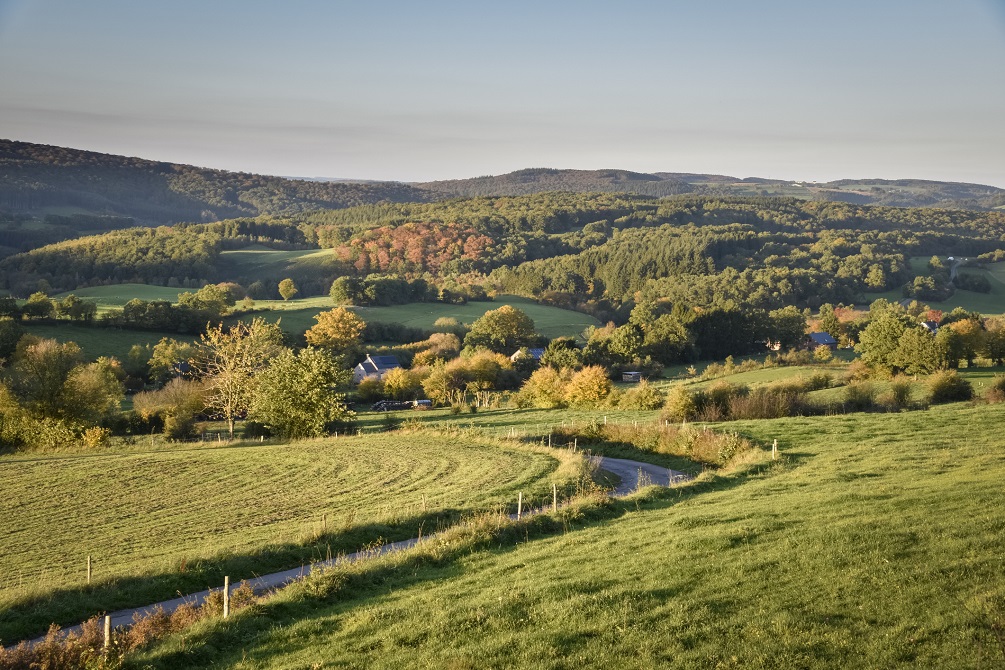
{"x":230,"y":424}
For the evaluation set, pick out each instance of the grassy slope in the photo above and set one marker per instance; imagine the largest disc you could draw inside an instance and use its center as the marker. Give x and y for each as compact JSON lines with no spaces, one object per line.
{"x":97,"y":341}
{"x":155,"y":514}
{"x":989,"y":304}
{"x":298,"y":315}
{"x":876,"y":543}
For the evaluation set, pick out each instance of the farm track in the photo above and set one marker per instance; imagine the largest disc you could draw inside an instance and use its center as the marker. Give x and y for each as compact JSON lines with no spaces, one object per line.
{"x":631,"y":473}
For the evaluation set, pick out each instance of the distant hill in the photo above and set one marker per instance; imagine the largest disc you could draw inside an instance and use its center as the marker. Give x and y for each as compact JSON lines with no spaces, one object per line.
{"x":39,"y":179}
{"x":890,"y":192}
{"x":538,"y":180}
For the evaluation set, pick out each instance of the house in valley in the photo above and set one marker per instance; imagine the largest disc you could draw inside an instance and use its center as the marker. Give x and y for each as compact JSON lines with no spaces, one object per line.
{"x":374,"y":366}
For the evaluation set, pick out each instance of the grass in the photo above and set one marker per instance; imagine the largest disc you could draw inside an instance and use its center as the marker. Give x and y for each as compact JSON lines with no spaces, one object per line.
{"x":118,"y":295}
{"x":875,"y":542}
{"x":298,"y":315}
{"x":988,"y":304}
{"x":162,"y":521}
{"x":97,"y":341}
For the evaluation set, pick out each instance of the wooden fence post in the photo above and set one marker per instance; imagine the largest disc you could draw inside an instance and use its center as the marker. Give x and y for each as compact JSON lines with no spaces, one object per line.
{"x":108,"y":631}
{"x":88,"y":568}
{"x":554,"y":497}
{"x":774,"y":450}
{"x":226,"y":597}
{"x":519,"y":505}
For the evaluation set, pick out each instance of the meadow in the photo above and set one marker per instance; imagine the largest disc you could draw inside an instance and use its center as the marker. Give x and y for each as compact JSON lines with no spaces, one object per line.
{"x":159,"y":521}
{"x":874,"y":541}
{"x":988,"y":304}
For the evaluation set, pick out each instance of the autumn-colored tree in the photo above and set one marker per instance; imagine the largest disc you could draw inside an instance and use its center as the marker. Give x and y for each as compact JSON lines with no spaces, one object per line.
{"x":337,"y":329}
{"x":229,"y":359}
{"x":502,"y":330}
{"x":588,"y":386}
{"x":288,"y":289}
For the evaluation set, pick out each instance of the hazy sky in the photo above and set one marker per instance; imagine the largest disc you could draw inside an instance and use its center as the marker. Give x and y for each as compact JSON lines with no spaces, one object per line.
{"x":432,"y":90}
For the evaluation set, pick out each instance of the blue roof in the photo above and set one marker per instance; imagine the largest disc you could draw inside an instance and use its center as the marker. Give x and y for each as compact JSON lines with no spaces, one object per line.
{"x":823,"y":338}
{"x":385,"y":361}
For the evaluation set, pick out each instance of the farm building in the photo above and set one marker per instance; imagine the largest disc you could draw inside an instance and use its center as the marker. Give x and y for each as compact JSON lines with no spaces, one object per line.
{"x":814,"y":340}
{"x":631,"y":377}
{"x":374,"y":366}
{"x":533,"y":353}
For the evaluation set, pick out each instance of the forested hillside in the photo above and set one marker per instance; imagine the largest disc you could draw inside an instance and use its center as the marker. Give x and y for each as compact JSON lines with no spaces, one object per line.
{"x":895,"y":193}
{"x":591,"y":251}
{"x":37,"y":177}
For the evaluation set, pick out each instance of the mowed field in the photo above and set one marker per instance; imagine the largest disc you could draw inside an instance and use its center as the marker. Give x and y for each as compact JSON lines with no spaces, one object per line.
{"x":178,"y":519}
{"x":875,"y":541}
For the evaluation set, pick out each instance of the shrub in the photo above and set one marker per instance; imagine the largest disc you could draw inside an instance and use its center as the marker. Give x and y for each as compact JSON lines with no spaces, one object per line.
{"x":858,"y":371}
{"x":679,"y":406}
{"x":721,"y":393}
{"x":588,"y":386}
{"x":95,"y":437}
{"x":947,"y":386}
{"x":996,"y":393}
{"x":643,"y":396}
{"x":545,"y":388}
{"x":767,"y":403}
{"x":823,"y":354}
{"x":900,"y":392}
{"x":859,"y":396}
{"x":370,"y":389}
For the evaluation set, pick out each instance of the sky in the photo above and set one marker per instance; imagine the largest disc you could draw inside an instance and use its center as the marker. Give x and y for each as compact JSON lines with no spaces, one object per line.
{"x":417,"y":91}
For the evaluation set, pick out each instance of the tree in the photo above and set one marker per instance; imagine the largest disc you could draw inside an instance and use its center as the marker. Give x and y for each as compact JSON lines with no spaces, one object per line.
{"x":503,"y":330}
{"x":788,"y":327}
{"x":562,"y":353}
{"x":94,"y":391}
{"x":10,"y":332}
{"x":881,"y":338}
{"x":177,"y":404}
{"x":917,"y":352}
{"x":38,"y":306}
{"x":994,"y":340}
{"x":345,"y":291}
{"x":545,"y":388}
{"x":337,"y":329}
{"x":971,"y":336}
{"x":170,"y":358}
{"x":297,"y":397}
{"x":39,"y":371}
{"x":210,"y":298}
{"x":588,"y":386}
{"x":402,"y":384}
{"x":229,"y":359}
{"x":287,"y":289}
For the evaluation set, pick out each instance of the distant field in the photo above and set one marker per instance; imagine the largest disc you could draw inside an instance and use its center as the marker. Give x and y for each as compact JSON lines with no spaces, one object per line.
{"x":992,"y":303}
{"x":118,"y":295}
{"x":180,"y":518}
{"x":259,"y":262}
{"x":96,"y":341}
{"x":874,"y":542}
{"x":298,"y":315}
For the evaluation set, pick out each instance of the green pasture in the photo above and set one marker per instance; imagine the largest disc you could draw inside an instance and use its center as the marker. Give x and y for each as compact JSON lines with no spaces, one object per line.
{"x":298,"y":315}
{"x":117,"y":295}
{"x":178,"y":519}
{"x":875,"y":541}
{"x":260,"y":262}
{"x":988,"y":304}
{"x":95,"y":341}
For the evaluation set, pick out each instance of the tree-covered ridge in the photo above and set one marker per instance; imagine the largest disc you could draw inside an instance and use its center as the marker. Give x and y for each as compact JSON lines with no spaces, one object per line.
{"x":562,"y":247}
{"x":537,"y":180}
{"x":890,"y":192}
{"x":35,"y":176}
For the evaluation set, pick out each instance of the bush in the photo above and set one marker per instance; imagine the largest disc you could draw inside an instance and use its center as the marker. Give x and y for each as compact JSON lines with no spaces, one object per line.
{"x":823,"y":354}
{"x":996,"y":393}
{"x":589,"y":386}
{"x":95,"y":437}
{"x":947,"y":386}
{"x":643,"y":396}
{"x":767,"y":403}
{"x":859,"y":396}
{"x":679,"y":406}
{"x":370,"y":389}
{"x":900,"y":392}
